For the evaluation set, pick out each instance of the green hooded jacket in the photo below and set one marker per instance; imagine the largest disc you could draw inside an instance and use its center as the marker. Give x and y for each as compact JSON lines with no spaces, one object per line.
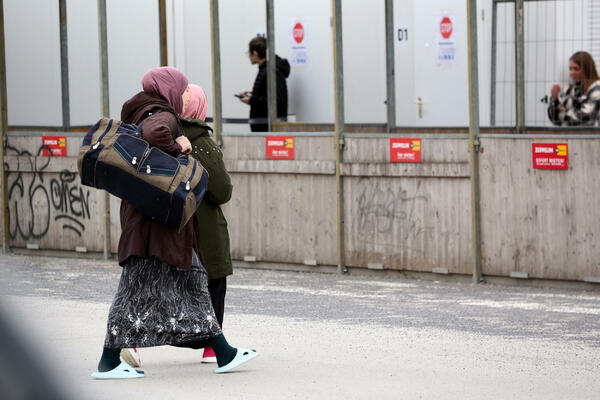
{"x":214,"y":236}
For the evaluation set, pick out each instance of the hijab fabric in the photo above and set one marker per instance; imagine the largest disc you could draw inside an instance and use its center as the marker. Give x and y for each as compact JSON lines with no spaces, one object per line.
{"x":168,"y":82}
{"x":197,"y":106}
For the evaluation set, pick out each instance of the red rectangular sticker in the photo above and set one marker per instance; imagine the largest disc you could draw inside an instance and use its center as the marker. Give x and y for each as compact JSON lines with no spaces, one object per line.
{"x":55,"y":146}
{"x":279,"y":147}
{"x":405,"y":150}
{"x":550,"y":155}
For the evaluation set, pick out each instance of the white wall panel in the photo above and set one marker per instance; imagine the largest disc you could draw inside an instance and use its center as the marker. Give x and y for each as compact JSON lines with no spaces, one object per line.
{"x":33,"y":82}
{"x":133,"y":47}
{"x":84,"y":63}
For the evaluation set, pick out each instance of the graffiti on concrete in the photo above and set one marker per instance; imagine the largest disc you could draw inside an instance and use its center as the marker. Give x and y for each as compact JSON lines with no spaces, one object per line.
{"x":35,"y":201}
{"x":379,"y":210}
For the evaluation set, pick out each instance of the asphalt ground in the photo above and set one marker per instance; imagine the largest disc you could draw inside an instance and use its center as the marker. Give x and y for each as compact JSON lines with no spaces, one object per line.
{"x":323,"y":336}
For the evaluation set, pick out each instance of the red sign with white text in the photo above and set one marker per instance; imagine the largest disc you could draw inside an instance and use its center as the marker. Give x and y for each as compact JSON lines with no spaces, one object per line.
{"x":279,"y":147}
{"x":550,"y":155}
{"x":298,"y":32}
{"x":55,"y":146}
{"x":446,"y":27}
{"x":405,"y":150}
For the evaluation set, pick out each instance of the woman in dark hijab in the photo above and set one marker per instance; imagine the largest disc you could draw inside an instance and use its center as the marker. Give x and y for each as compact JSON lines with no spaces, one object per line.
{"x":163,"y":296}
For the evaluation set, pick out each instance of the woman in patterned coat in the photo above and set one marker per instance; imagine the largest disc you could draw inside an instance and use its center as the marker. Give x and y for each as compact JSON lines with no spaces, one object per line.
{"x":579,"y":105}
{"x":163,"y":296}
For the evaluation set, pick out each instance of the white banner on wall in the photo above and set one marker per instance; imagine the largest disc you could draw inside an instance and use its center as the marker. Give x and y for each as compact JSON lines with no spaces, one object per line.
{"x":298,"y":47}
{"x":446,"y":39}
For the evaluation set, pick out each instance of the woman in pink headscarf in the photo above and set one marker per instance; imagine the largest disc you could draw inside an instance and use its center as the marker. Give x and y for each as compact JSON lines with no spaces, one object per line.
{"x":214,"y":236}
{"x":163,"y":296}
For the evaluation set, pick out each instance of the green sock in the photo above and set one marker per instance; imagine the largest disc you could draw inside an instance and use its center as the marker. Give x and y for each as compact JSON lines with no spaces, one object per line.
{"x":224,"y":352}
{"x":109,"y":360}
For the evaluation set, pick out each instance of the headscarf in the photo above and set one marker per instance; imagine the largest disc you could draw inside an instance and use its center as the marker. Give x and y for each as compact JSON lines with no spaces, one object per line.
{"x":197,"y":106}
{"x":168,"y":82}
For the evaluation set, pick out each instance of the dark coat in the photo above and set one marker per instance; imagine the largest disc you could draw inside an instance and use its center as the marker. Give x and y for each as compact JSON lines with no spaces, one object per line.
{"x":140,"y":235}
{"x":259,"y":106}
{"x":212,"y":225}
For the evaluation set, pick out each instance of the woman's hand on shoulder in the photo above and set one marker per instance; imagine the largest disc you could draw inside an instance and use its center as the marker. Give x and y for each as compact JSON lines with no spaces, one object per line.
{"x":186,"y":146}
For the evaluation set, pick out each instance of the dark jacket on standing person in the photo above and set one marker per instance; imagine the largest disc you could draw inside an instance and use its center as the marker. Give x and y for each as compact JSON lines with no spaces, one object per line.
{"x":212,"y":225}
{"x":258,"y":102}
{"x":140,"y":235}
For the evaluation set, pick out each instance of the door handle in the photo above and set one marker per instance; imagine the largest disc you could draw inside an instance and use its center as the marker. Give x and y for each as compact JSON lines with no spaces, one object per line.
{"x":419,"y":101}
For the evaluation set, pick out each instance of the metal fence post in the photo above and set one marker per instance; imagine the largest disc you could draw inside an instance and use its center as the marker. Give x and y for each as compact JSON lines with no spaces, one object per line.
{"x":474,"y":137}
{"x":390,"y":65}
{"x":520,"y":66}
{"x":162,"y":23}
{"x":494,"y":58}
{"x":103,"y":42}
{"x":271,"y":66}
{"x":338,"y":78}
{"x":215,"y":48}
{"x":3,"y":128}
{"x":64,"y":64}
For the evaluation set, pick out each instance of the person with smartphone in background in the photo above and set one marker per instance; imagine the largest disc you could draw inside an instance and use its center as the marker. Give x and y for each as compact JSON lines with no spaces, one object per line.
{"x":257,"y":98}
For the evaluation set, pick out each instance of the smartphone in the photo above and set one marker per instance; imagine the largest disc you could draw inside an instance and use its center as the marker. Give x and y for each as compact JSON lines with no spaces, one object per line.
{"x":238,"y":96}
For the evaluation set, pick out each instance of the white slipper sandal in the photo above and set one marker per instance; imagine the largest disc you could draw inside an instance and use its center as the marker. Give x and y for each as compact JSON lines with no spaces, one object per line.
{"x":131,"y":357}
{"x":242,"y":356}
{"x":121,"y":371}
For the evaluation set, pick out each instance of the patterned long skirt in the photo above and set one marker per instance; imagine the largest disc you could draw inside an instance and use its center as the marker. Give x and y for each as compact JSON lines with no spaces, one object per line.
{"x":157,"y":304}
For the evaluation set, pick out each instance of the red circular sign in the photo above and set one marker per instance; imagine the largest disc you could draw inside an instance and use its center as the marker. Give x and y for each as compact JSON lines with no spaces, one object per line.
{"x":298,"y":32}
{"x":446,"y":27}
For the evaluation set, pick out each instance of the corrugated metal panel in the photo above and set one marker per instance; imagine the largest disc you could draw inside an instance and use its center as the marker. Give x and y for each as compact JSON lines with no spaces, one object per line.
{"x":409,"y":223}
{"x":401,"y":216}
{"x":543,"y":222}
{"x":49,"y":207}
{"x":282,"y":217}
